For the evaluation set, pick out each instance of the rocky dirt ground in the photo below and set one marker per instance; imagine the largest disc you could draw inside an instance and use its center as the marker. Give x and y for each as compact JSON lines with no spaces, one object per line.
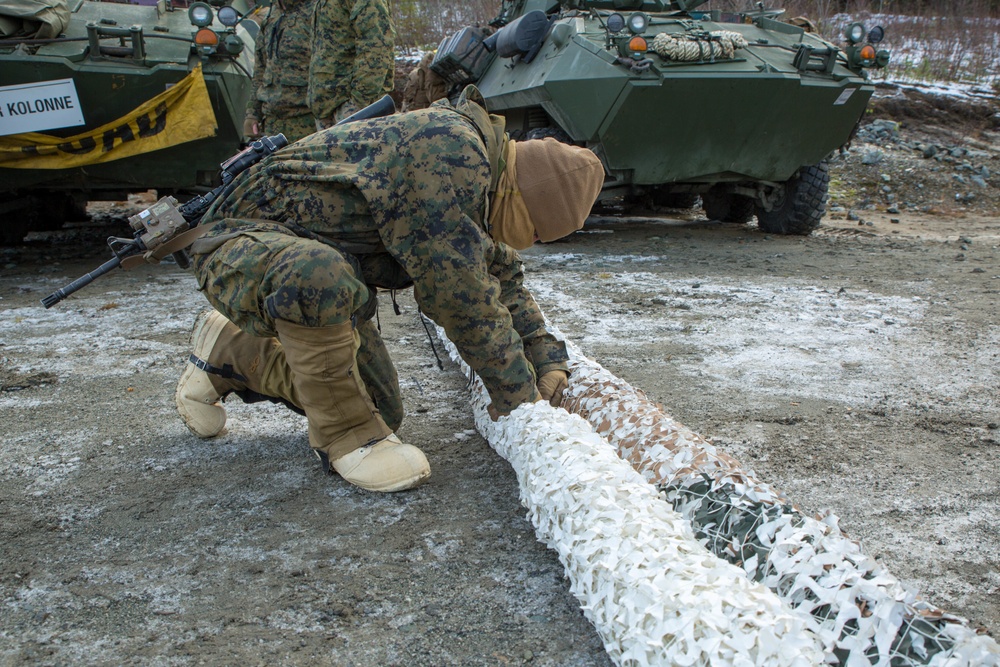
{"x":857,"y":369}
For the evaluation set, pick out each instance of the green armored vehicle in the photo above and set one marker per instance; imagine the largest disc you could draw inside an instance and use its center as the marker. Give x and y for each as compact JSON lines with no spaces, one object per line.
{"x":741,"y":109}
{"x":100,"y":99}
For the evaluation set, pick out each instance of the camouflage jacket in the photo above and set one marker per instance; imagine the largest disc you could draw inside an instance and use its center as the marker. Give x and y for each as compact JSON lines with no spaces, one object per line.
{"x":281,"y":68}
{"x":407,"y":196}
{"x":353,"y":54}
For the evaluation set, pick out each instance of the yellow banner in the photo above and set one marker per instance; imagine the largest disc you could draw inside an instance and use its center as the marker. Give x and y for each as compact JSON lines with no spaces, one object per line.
{"x":181,"y":113}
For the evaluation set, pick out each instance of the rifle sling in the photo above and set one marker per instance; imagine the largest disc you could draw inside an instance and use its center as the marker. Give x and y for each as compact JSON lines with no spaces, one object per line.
{"x":179,"y":242}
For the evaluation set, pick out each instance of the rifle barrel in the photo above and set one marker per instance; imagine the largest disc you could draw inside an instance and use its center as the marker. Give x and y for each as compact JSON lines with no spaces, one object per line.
{"x":80,"y":282}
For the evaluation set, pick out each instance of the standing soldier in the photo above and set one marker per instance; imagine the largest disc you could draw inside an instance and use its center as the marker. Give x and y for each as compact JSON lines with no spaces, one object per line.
{"x":353,"y":57}
{"x":279,"y":100}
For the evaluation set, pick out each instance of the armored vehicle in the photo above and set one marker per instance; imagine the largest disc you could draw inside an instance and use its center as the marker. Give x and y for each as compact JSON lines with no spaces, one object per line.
{"x":739,"y":109}
{"x":100,"y":99}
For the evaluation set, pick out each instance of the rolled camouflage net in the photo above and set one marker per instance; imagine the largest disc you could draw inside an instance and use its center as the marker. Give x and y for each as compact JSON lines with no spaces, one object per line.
{"x":654,"y":594}
{"x":862,"y":614}
{"x":691,"y":47}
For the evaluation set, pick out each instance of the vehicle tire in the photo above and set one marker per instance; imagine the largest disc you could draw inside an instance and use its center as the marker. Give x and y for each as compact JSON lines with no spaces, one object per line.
{"x":13,"y":231}
{"x":801,"y":209}
{"x":728,"y":207}
{"x":679,"y":200}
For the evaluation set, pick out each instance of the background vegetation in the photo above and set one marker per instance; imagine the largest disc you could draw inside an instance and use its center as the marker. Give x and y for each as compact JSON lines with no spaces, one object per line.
{"x":931,"y":40}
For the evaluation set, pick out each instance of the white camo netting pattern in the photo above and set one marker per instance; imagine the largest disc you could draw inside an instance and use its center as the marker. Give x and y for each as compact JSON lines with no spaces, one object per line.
{"x":655,"y":595}
{"x":862,"y":614}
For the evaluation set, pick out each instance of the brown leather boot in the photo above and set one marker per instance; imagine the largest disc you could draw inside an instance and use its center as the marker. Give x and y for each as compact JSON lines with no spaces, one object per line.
{"x":227,"y":360}
{"x":345,"y":427}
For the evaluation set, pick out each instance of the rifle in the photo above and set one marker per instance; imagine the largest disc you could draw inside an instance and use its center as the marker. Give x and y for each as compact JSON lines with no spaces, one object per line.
{"x":167,"y":228}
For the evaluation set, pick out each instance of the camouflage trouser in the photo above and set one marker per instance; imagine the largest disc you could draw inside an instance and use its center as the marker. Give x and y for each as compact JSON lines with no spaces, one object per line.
{"x":344,"y":110}
{"x":262,"y":276}
{"x":293,"y":128}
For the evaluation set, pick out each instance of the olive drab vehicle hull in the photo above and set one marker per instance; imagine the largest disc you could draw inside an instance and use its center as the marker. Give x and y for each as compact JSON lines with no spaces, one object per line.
{"x":741,"y":110}
{"x":88,"y":114}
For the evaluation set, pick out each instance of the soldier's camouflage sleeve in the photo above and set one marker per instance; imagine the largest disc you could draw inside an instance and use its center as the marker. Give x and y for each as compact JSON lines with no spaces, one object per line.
{"x":375,"y":64}
{"x":435,"y":180}
{"x":543,"y":350}
{"x":352,"y":54}
{"x":254,"y":104}
{"x":288,"y":44}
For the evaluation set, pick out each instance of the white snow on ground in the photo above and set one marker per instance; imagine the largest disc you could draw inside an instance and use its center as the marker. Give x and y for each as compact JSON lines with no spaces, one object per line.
{"x":759,"y":335}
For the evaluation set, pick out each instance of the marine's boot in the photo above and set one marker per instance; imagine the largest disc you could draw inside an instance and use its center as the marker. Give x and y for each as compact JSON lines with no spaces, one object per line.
{"x":224,"y":360}
{"x":345,"y":427}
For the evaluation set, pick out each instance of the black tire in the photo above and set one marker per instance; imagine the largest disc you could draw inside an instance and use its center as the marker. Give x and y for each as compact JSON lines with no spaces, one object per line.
{"x":13,"y":230}
{"x":799,"y":212}
{"x":679,"y":200}
{"x":728,"y":207}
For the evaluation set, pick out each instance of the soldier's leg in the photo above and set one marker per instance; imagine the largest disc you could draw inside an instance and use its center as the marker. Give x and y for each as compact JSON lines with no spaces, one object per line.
{"x":293,"y":128}
{"x":379,"y":375}
{"x":224,"y":360}
{"x":345,"y":110}
{"x":306,"y":293}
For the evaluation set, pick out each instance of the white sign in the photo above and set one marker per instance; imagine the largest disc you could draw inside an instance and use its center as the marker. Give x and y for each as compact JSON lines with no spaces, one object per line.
{"x":45,"y":105}
{"x":844,"y":96}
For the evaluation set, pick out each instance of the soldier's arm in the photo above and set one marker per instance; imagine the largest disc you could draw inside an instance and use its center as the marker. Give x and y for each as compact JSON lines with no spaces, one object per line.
{"x":543,"y":350}
{"x":374,"y":56}
{"x":436,"y":176}
{"x":330,"y":63}
{"x":255,"y":108}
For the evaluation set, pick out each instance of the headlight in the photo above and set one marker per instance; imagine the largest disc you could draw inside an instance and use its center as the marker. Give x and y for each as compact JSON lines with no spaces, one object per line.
{"x":637,"y":23}
{"x":876,"y":35}
{"x":200,"y":14}
{"x":855,"y":33}
{"x":228,"y":16}
{"x":616,"y":23}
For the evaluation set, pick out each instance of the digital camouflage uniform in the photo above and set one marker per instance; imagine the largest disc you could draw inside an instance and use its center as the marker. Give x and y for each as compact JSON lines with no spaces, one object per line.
{"x":399,"y":201}
{"x":353,"y":57}
{"x":281,"y":71}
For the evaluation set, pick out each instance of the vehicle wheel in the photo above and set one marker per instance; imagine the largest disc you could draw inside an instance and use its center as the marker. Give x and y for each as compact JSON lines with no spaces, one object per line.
{"x":13,"y":231}
{"x":681,"y":200}
{"x":801,"y":209}
{"x":728,"y":207}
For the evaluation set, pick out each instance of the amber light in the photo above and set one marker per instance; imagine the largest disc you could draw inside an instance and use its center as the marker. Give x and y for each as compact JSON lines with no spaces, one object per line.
{"x":868,"y":52}
{"x":206,"y":37}
{"x":637,"y":44}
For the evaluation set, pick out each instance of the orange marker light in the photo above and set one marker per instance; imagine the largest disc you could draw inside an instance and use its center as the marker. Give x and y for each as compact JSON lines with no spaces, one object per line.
{"x":206,"y":37}
{"x":637,"y":44}
{"x":868,"y":52}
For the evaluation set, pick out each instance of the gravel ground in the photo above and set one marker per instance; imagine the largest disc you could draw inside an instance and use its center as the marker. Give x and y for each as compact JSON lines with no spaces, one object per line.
{"x":856,"y":369}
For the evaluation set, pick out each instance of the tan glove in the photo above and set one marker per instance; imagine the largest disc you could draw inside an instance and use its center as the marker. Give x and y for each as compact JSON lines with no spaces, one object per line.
{"x":251,"y":127}
{"x":552,"y":385}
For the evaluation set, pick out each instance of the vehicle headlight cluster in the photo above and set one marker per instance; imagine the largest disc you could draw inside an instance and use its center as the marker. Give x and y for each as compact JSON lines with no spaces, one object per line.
{"x":632,"y":44}
{"x":208,"y":41}
{"x":866,"y":55}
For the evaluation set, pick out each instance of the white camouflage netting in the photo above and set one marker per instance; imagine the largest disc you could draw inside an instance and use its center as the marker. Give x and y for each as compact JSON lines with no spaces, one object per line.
{"x":641,"y":573}
{"x":655,"y":595}
{"x":862,"y":614}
